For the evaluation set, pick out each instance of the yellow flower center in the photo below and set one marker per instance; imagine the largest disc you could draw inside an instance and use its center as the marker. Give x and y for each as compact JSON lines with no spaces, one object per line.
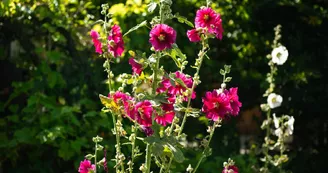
{"x":161,"y":37}
{"x":206,"y":17}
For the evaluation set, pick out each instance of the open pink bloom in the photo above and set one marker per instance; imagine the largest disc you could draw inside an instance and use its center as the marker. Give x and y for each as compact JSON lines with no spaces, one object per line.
{"x":168,"y":114}
{"x":178,"y":88}
{"x":116,"y":43}
{"x":86,"y":166}
{"x":230,"y":169}
{"x":136,"y":67}
{"x":162,"y":37}
{"x":193,"y":35}
{"x":216,"y":105}
{"x":234,"y":100}
{"x":210,"y":20}
{"x":96,"y":42}
{"x":143,"y":113}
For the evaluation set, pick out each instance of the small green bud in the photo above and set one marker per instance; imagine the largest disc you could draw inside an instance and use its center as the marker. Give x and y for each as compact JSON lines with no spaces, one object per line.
{"x":89,"y":156}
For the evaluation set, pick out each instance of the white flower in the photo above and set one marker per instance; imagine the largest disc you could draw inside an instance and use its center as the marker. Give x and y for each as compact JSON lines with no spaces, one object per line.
{"x":274,"y":100}
{"x":290,"y":125}
{"x":278,"y":132}
{"x":276,"y":121}
{"x":279,"y":55}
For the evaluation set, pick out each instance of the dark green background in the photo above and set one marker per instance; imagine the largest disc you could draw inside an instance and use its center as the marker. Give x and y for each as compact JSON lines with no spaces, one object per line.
{"x":49,"y":89}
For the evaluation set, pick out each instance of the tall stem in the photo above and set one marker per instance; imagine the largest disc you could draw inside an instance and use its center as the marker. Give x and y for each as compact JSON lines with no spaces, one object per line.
{"x":266,"y":149}
{"x":96,"y":157}
{"x":133,"y":147}
{"x":207,"y":146}
{"x":118,"y":146}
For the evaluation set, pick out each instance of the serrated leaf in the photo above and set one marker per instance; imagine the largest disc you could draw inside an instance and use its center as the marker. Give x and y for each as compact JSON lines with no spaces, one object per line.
{"x":144,"y":23}
{"x":152,"y":6}
{"x":183,"y":19}
{"x":173,"y":54}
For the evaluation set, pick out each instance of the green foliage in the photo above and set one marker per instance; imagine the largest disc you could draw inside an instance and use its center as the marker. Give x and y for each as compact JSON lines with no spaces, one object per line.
{"x":50,"y":106}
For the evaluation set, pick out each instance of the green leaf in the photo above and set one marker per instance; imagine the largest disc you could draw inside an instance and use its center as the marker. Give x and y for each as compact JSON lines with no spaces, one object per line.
{"x":222,"y":72}
{"x":144,"y":23}
{"x":228,"y":79}
{"x":173,"y":54}
{"x":179,"y":53}
{"x":183,"y":19}
{"x":152,"y":6}
{"x":177,"y":153}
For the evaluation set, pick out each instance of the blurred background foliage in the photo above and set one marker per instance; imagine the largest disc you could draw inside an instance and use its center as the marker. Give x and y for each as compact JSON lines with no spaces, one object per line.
{"x":51,"y":79}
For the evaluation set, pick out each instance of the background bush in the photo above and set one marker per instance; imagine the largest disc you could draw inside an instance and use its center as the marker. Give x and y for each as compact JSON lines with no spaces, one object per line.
{"x":51,"y":79}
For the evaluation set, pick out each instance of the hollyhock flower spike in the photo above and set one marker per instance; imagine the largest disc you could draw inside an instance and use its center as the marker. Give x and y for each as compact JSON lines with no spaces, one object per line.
{"x":136,"y":67}
{"x":96,"y":42}
{"x":116,"y":43}
{"x":216,"y":105}
{"x":162,"y":37}
{"x":86,"y":166}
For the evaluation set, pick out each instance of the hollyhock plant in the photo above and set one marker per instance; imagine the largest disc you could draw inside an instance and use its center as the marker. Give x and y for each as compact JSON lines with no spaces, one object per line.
{"x":162,"y":37}
{"x":136,"y":67}
{"x":86,"y":167}
{"x":96,"y":42}
{"x":116,"y":43}
{"x":216,"y":105}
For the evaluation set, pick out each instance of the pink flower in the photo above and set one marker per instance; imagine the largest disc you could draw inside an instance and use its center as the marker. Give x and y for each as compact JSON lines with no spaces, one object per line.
{"x":86,"y":166}
{"x":162,"y":37}
{"x":182,"y":83}
{"x":193,"y":35}
{"x":216,"y":105}
{"x":205,"y":18}
{"x":230,"y":169}
{"x":234,"y":100}
{"x":143,"y":112}
{"x":136,"y":67}
{"x":168,"y":114}
{"x":95,"y":39}
{"x":123,"y":100}
{"x":116,"y":43}
{"x":208,"y":19}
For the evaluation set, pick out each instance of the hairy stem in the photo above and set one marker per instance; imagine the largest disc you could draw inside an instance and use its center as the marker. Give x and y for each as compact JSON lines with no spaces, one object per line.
{"x":96,"y":157}
{"x":207,"y":146}
{"x":118,"y":146}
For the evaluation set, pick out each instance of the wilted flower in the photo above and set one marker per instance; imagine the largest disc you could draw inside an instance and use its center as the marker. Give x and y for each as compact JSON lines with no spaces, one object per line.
{"x":86,"y":166}
{"x":162,"y":37}
{"x":216,"y":105}
{"x":279,"y":55}
{"x":96,"y":42}
{"x":274,"y":100}
{"x":147,"y":130}
{"x":290,"y":125}
{"x":230,"y":169}
{"x":275,"y":121}
{"x":193,"y":35}
{"x":116,"y":43}
{"x":136,"y":67}
{"x":234,"y":100}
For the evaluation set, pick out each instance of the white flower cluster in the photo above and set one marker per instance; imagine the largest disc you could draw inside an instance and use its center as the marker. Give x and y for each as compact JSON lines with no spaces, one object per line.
{"x":284,"y":125}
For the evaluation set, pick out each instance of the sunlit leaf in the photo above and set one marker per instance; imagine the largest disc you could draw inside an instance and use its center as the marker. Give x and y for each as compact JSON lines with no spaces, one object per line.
{"x":144,"y":23}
